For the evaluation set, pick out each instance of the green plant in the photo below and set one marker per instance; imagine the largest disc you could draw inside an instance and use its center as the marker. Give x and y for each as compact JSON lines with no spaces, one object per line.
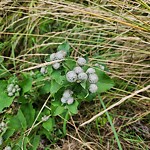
{"x":64,"y":84}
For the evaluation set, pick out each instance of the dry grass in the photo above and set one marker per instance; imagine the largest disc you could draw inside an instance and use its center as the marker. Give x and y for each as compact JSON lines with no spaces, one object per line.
{"x":114,"y":32}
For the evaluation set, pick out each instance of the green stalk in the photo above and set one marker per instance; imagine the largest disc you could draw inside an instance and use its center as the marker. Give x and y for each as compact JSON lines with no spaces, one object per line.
{"x":65,"y":122}
{"x":112,"y":126}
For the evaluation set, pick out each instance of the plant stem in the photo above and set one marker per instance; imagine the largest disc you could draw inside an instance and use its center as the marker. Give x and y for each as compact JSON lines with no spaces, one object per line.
{"x":65,"y":122}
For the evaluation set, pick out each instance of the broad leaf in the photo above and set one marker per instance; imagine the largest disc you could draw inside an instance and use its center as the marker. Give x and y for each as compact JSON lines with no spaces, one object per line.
{"x":64,"y":46}
{"x":5,"y":100}
{"x":46,"y":88}
{"x":26,"y":84}
{"x":56,"y":75}
{"x":59,"y":110}
{"x":49,"y":124}
{"x":105,"y":82}
{"x":18,"y":122}
{"x":29,"y":113}
{"x":73,"y":108}
{"x":35,"y":143}
{"x":22,"y":119}
{"x":54,"y":87}
{"x":56,"y":103}
{"x":69,"y":64}
{"x":14,"y":123}
{"x":9,"y":132}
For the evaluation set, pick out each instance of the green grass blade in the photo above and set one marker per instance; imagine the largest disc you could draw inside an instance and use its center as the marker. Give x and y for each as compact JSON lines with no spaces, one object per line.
{"x":112,"y":126}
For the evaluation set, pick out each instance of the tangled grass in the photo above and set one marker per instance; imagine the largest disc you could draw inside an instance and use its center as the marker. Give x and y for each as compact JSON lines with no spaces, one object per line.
{"x":113,"y":32}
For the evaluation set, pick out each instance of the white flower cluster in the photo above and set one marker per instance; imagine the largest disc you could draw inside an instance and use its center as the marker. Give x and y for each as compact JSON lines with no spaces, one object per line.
{"x":12,"y":89}
{"x":43,"y":70}
{"x":78,"y":74}
{"x":57,"y":56}
{"x":93,"y":79}
{"x":3,"y":126}
{"x":67,"y":97}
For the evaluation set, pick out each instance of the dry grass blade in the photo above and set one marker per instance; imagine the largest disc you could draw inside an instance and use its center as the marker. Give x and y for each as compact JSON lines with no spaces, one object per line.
{"x":116,"y":104}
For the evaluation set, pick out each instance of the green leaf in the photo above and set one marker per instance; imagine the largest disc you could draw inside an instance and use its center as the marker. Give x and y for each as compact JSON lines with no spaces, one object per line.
{"x":91,"y":96}
{"x":5,"y":100}
{"x":64,"y":46}
{"x":105,"y":82}
{"x":59,"y":110}
{"x":26,"y":84}
{"x":54,"y":87}
{"x":73,"y":108}
{"x":14,"y":123}
{"x":69,"y":64}
{"x":47,"y":134}
{"x":46,"y":88}
{"x":22,"y":119}
{"x":18,"y":122}
{"x":49,"y":124}
{"x":83,"y":84}
{"x":83,"y":94}
{"x":29,"y":113}
{"x":56,"y":75}
{"x":35,"y":143}
{"x":56,"y":103}
{"x":39,"y":77}
{"x":9,"y":132}
{"x":49,"y":69}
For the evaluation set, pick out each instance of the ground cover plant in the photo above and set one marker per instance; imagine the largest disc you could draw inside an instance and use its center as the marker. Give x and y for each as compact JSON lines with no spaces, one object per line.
{"x":74,"y":74}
